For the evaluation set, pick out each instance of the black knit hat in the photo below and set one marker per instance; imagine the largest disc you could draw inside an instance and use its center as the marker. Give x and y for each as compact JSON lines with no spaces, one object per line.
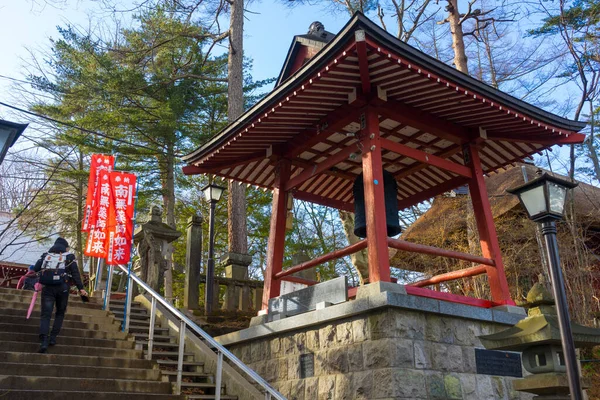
{"x":61,"y":242}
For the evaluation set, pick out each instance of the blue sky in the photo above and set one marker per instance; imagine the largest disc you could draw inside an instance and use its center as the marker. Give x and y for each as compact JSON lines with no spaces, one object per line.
{"x":269,"y":28}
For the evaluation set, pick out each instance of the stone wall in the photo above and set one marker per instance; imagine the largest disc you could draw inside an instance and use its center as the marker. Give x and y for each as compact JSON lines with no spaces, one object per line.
{"x":384,"y":353}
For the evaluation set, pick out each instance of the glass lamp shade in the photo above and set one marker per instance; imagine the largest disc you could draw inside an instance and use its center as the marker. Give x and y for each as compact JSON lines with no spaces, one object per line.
{"x":9,"y":133}
{"x":212,"y":192}
{"x":544,"y":197}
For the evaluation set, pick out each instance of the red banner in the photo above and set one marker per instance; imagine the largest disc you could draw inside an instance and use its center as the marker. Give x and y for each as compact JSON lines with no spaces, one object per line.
{"x":120,"y":218}
{"x":97,"y":237}
{"x":99,"y":163}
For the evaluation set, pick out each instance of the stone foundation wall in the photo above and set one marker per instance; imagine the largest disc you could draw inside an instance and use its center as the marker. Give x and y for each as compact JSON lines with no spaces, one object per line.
{"x":385,"y":353}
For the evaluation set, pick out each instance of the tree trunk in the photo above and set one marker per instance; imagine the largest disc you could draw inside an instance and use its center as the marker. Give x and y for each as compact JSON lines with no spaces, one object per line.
{"x":458,"y":43}
{"x":169,"y":204}
{"x":80,"y":204}
{"x":591,"y":145}
{"x":236,"y":202}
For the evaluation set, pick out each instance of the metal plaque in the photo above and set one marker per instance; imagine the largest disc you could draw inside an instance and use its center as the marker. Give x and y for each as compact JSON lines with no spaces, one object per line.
{"x":333,"y":291}
{"x":499,"y":363}
{"x":307,"y":365}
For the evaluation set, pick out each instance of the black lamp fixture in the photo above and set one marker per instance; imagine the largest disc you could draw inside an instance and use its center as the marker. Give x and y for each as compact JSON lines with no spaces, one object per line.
{"x":212,"y":194}
{"x":544,"y":200}
{"x":9,"y":133}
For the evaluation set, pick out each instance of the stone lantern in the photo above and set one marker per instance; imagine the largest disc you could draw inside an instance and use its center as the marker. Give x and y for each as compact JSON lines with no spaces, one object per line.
{"x":151,"y":239}
{"x":538,"y":338}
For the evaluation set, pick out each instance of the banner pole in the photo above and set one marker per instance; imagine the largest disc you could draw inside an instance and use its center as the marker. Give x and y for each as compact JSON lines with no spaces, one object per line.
{"x":129,"y":289}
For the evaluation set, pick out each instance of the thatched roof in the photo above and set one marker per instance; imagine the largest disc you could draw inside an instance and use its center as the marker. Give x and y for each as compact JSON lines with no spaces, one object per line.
{"x":445,"y":223}
{"x":587,"y":203}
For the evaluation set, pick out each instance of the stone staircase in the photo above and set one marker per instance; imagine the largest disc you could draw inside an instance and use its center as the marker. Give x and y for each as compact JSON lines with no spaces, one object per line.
{"x":93,"y":359}
{"x":196,"y":384}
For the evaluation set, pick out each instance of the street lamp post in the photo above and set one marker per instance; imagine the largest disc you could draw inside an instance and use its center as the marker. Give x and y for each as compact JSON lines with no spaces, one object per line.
{"x":544,"y":200}
{"x":212,"y":194}
{"x":9,"y":133}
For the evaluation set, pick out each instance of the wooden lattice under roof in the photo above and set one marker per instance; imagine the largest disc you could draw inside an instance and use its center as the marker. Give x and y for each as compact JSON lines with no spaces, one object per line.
{"x":423,"y":104}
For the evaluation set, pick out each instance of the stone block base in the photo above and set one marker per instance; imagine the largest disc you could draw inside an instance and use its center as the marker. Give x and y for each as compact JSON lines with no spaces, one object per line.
{"x":383,"y":345}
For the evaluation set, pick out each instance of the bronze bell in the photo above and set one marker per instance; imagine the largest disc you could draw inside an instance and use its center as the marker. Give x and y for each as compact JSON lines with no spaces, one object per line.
{"x":390,"y":188}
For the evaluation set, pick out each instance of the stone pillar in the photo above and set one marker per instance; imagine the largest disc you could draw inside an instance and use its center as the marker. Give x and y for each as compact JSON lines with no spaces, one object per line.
{"x":257,"y":297}
{"x":152,"y":238}
{"x":236,"y":267}
{"x":193,"y":263}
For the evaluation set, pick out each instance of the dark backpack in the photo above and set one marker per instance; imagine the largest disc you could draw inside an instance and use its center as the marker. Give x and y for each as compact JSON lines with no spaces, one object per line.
{"x":54,"y":269}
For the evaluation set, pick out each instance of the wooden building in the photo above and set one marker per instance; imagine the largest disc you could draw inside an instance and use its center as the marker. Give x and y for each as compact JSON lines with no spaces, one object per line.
{"x":366,"y":102}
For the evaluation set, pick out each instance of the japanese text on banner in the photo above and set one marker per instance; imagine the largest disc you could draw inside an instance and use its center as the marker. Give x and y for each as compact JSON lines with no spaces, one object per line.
{"x":99,"y":163}
{"x":120,"y":220}
{"x":97,"y":239}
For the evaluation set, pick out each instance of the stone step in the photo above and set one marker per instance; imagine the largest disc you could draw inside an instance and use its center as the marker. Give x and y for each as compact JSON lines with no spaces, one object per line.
{"x":133,"y":316}
{"x":121,"y":308}
{"x":93,"y":312}
{"x":74,"y":350}
{"x":36,"y":369}
{"x":76,"y":361}
{"x":210,"y":397}
{"x":19,"y":292}
{"x":138,"y":322}
{"x":169,"y":354}
{"x":74,"y":303}
{"x":188,"y":374}
{"x":201,"y":385}
{"x":70,"y":315}
{"x":66,"y":383}
{"x":173,"y":363}
{"x":69,"y":340}
{"x":157,"y":338}
{"x":76,"y":395}
{"x":69,"y":329}
{"x":135,"y":329}
{"x":162,"y":345}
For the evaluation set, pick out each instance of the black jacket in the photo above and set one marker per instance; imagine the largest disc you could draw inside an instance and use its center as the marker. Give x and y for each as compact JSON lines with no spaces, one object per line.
{"x":70,"y":266}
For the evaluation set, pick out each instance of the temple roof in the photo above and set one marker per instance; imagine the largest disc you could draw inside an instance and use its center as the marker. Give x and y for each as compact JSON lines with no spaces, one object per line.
{"x":423,"y":104}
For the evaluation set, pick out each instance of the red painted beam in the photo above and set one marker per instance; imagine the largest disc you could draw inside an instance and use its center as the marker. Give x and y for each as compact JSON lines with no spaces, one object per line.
{"x":321,"y":167}
{"x":192,"y":170}
{"x":324,"y":201}
{"x":363,"y":61}
{"x":432,"y":192}
{"x":453,"y":298}
{"x":403,"y":245}
{"x":442,"y":154}
{"x":451,"y":276}
{"x":326,"y":127}
{"x":423,"y":120}
{"x":574,"y":138}
{"x":353,"y":248}
{"x":426,"y":158}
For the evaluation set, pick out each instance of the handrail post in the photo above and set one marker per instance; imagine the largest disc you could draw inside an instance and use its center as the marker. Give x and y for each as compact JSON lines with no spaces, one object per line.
{"x":218,"y":375}
{"x":127,"y":311}
{"x":151,"y":329}
{"x":180,"y":355}
{"x":108,"y":288}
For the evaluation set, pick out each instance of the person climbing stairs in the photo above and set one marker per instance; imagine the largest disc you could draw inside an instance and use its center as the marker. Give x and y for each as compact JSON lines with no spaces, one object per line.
{"x":93,"y":359}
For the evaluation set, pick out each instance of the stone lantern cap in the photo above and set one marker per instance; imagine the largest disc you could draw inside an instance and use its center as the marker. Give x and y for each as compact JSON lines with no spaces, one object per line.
{"x":539,"y":328}
{"x":156,"y":228}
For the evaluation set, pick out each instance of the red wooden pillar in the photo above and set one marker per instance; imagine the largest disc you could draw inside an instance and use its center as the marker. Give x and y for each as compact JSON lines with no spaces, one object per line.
{"x":378,"y":254}
{"x":276,"y":233}
{"x":488,"y":237}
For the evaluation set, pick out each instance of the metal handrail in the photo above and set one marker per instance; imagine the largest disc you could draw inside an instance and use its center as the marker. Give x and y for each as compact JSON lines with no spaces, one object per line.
{"x":270,"y":392}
